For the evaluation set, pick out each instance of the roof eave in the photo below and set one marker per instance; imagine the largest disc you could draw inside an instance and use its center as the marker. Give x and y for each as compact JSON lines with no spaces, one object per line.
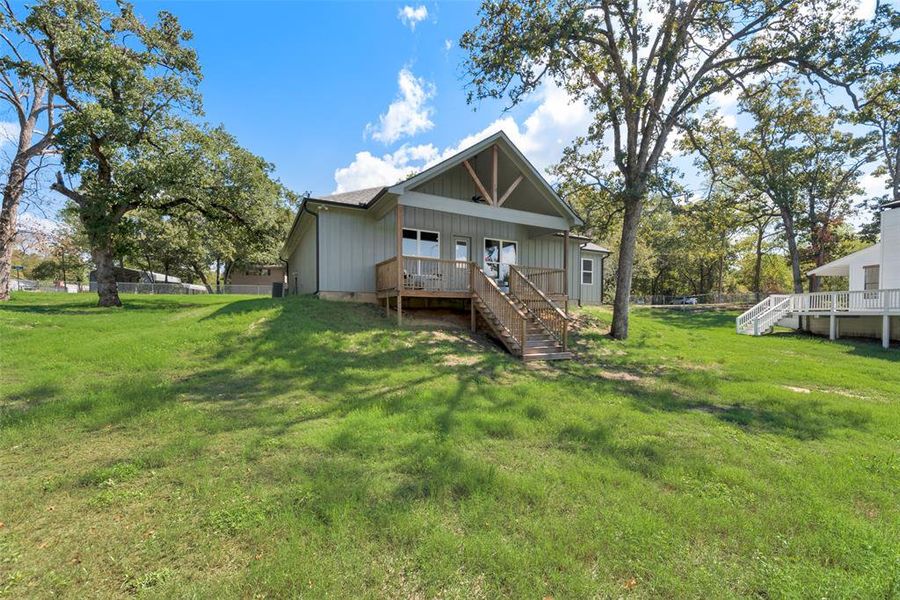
{"x":476,"y":148}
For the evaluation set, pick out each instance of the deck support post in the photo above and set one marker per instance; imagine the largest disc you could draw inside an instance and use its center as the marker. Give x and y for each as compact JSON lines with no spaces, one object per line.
{"x":832,"y":322}
{"x":886,"y":331}
{"x":566,"y":269}
{"x":472,"y":294}
{"x":399,"y":253}
{"x":387,"y":307}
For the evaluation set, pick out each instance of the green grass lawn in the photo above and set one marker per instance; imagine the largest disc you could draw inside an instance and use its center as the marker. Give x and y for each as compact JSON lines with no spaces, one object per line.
{"x":228,"y":446}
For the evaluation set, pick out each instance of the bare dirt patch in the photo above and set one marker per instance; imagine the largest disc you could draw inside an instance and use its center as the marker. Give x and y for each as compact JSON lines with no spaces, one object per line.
{"x":619,"y":376}
{"x":799,"y":390}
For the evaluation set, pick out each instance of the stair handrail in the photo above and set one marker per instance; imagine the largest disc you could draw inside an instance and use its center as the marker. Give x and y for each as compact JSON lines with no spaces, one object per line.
{"x":768,"y":318}
{"x":746,"y":319}
{"x":550,"y":315}
{"x":511,"y":318}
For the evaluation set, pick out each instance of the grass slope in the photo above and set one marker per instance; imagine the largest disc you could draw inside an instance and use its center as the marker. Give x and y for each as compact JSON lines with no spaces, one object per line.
{"x":215,"y":446}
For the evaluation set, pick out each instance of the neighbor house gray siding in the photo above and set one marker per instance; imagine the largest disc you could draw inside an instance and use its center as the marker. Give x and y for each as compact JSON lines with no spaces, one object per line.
{"x":592,"y":294}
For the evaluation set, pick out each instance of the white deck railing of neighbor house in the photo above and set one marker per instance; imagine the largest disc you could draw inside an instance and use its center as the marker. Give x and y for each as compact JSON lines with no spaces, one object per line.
{"x":856,"y":302}
{"x":764,"y":315}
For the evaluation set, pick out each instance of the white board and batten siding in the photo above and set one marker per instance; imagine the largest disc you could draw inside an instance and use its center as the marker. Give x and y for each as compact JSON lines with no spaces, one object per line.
{"x":890,"y":249}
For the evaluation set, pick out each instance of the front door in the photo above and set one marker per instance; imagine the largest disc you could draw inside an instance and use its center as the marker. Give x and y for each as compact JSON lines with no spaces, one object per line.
{"x":461,"y":248}
{"x":498,"y":256}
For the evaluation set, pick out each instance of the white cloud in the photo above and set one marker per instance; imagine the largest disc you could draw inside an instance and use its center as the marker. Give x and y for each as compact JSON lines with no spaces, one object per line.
{"x":409,"y":114}
{"x":447,"y":45}
{"x":726,"y":99}
{"x":553,"y":124}
{"x":873,"y":186}
{"x":36,"y":223}
{"x":865,"y":9}
{"x":368,"y":170}
{"x":411,"y":16}
{"x":9,"y":132}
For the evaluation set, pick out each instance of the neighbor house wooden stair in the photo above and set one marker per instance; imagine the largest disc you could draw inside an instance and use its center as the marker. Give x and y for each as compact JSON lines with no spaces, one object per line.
{"x":525,"y":320}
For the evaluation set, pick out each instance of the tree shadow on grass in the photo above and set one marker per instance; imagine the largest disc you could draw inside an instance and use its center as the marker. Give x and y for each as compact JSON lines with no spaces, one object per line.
{"x":857,"y":346}
{"x":85,"y":307}
{"x":380,"y":418}
{"x":684,"y":388}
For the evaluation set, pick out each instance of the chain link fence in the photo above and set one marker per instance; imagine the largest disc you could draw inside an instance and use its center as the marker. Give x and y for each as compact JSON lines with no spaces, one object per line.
{"x":126,"y":287}
{"x":698,"y":299}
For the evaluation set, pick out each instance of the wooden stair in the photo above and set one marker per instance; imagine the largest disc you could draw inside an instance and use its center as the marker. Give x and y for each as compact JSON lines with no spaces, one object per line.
{"x":540,"y":344}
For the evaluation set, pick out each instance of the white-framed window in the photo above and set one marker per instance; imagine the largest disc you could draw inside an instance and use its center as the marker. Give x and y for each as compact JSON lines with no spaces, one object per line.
{"x":498,"y":256}
{"x":587,"y":271}
{"x":421,"y":243}
{"x":872,"y":275}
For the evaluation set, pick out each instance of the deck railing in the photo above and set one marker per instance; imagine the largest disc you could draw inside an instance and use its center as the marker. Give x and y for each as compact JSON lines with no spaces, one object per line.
{"x":751,"y":315}
{"x":386,"y":274}
{"x":874,"y":301}
{"x":510,"y":317}
{"x":551,"y":281}
{"x":435,"y":275}
{"x":551,"y":316}
{"x":423,"y":274}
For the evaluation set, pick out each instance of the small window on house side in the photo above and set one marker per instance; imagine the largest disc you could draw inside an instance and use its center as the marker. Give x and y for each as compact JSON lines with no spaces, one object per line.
{"x":587,"y":271}
{"x":872,"y":274}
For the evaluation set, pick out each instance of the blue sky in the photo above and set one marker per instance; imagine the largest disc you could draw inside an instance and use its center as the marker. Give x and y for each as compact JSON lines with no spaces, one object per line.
{"x":304,"y":84}
{"x":344,"y":95}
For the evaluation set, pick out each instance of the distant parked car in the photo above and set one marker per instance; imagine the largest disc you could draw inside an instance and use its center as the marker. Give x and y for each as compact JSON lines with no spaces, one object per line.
{"x":685,"y":300}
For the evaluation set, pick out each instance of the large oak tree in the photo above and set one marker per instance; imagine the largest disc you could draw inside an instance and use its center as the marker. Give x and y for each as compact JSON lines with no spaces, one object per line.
{"x":644,"y":69}
{"x":24,"y":90}
{"x":127,"y":140}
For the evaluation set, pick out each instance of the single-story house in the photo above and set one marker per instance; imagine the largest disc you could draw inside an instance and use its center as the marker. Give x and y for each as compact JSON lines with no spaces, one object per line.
{"x":870,"y":307}
{"x":482,"y":227}
{"x":128,"y":275}
{"x":257,"y":275}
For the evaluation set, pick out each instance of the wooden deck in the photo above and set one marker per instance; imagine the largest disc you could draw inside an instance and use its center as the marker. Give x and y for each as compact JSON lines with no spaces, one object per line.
{"x":528,"y":319}
{"x":878,"y":303}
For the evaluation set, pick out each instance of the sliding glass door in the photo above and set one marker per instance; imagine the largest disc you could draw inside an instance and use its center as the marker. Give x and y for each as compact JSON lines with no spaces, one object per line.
{"x":498,"y":256}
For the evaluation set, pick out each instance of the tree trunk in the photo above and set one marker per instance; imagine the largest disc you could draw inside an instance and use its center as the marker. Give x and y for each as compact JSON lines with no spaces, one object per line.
{"x":757,"y":265}
{"x":228,"y":272}
{"x":791,"y":237}
{"x":107,"y":289}
{"x":199,"y":272}
{"x":218,"y":270}
{"x":634,"y":205}
{"x":9,"y":218}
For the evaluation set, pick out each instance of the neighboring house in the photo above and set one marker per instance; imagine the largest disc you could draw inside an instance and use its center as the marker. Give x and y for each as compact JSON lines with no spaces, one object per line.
{"x":870,"y":307}
{"x":482,"y":227}
{"x":257,"y":275}
{"x":593,"y":273}
{"x":126,"y":275}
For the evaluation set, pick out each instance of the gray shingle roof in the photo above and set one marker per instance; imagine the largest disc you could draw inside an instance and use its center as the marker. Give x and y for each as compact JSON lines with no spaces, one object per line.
{"x":354,"y":198}
{"x":592,"y":247}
